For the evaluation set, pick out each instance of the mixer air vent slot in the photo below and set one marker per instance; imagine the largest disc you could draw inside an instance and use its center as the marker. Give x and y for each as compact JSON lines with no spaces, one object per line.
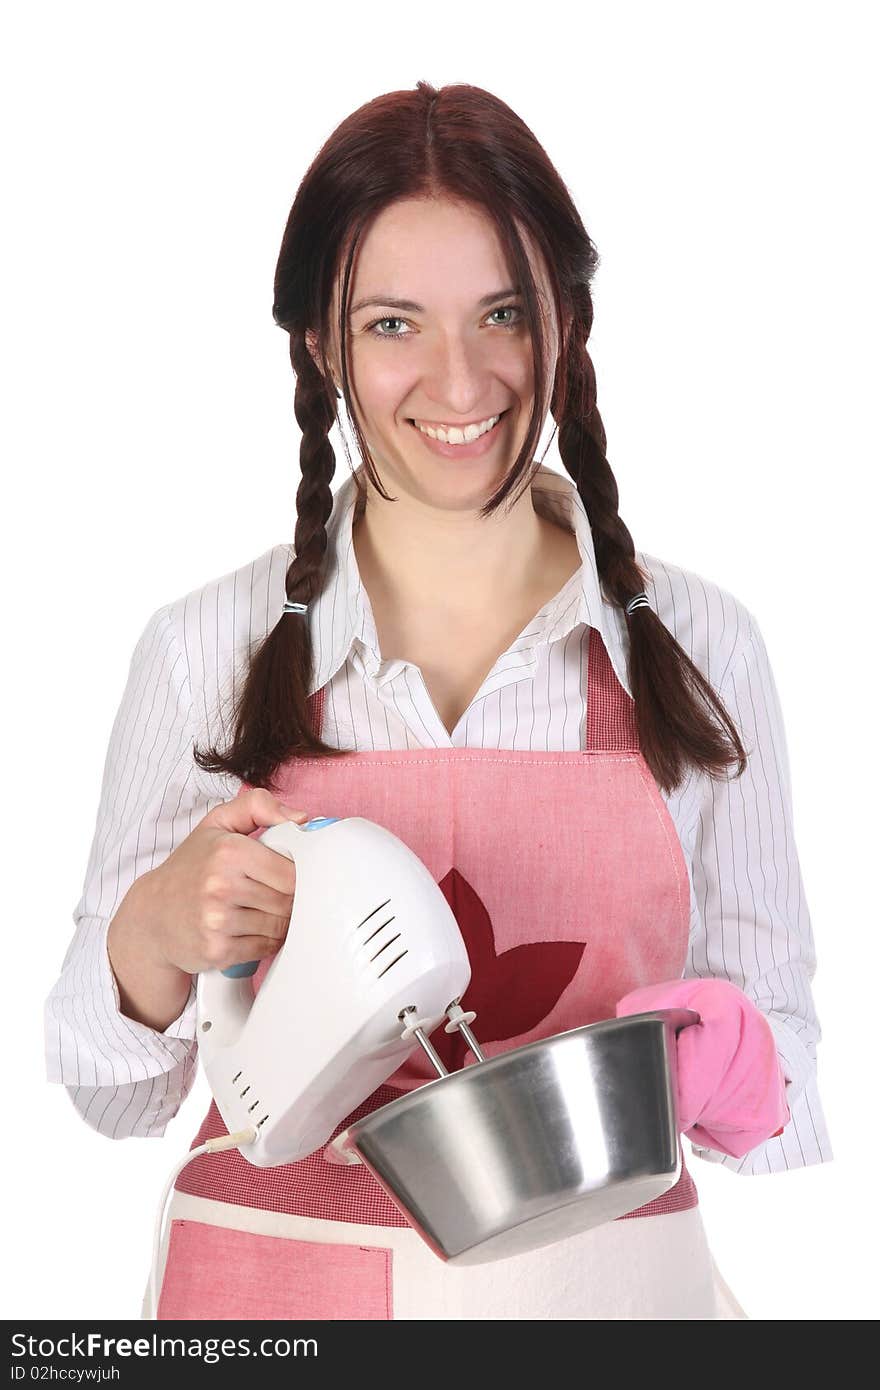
{"x":373,"y":913}
{"x":378,"y":929}
{"x":385,"y":947}
{"x":393,"y":962}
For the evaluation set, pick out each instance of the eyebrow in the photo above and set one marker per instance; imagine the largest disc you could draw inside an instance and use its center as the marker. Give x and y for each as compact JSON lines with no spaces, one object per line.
{"x":388,"y":302}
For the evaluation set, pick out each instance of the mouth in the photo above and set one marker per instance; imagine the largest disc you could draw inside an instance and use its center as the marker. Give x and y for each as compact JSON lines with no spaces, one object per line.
{"x":469,"y":449}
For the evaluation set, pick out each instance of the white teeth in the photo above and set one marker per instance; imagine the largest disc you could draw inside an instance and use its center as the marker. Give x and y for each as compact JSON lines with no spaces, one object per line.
{"x":457,"y":436}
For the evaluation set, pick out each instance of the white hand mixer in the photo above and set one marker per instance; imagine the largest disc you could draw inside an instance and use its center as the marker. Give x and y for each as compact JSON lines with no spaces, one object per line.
{"x":372,"y":963}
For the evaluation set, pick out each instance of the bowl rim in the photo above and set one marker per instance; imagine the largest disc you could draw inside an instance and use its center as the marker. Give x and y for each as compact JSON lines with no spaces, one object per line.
{"x":674,"y":1018}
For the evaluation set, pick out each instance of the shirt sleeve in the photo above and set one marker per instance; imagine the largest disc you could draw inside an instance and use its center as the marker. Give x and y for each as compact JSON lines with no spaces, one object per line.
{"x":125,"y":1078}
{"x":753,"y":924}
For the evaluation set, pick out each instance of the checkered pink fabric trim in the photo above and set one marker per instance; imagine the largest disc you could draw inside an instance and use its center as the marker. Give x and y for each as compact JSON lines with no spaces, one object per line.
{"x":330,"y":1191}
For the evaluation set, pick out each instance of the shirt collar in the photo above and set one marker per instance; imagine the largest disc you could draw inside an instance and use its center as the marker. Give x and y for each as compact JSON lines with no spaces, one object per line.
{"x":341,"y":617}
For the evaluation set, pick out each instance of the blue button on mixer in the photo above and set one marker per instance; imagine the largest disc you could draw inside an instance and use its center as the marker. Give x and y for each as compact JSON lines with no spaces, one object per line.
{"x":318,"y":822}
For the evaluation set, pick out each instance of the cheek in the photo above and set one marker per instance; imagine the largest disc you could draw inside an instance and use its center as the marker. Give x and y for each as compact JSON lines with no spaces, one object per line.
{"x":383,"y":385}
{"x":514,"y":365}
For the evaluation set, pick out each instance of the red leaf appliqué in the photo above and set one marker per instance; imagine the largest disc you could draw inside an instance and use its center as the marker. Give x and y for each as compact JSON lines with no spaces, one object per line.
{"x":510,"y":993}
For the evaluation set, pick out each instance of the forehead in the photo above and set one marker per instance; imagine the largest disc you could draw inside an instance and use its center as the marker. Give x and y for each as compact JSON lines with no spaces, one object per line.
{"x":438,"y":253}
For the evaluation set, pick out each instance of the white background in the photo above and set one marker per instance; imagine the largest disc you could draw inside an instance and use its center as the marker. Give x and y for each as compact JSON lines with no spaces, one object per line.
{"x":720,"y":156}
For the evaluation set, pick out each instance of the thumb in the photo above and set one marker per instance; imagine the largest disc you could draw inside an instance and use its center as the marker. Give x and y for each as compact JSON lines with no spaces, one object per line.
{"x":251,"y":811}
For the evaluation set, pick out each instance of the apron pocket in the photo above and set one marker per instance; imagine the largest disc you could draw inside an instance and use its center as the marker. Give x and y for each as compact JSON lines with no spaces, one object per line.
{"x":219,"y":1272}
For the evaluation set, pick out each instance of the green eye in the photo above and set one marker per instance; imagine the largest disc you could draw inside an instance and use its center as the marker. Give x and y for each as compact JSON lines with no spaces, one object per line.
{"x":374,"y":328}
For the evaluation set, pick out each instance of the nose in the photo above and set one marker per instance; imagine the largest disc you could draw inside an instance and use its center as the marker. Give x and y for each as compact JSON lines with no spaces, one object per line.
{"x":457,"y":379}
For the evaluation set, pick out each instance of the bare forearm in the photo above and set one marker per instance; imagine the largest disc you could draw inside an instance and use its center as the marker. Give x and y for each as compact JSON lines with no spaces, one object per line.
{"x":150,"y":991}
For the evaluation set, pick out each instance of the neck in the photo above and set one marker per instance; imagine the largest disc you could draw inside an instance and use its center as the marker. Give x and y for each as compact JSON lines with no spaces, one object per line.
{"x":438,"y":560}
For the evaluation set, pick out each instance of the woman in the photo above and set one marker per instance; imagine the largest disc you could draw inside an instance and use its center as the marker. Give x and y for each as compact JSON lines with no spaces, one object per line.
{"x":585,"y":747}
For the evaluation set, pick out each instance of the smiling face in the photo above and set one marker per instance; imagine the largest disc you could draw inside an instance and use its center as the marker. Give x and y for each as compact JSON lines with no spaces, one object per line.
{"x":457,"y":352}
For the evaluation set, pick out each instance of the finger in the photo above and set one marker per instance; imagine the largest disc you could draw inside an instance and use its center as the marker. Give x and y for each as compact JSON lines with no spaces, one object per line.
{"x":248,"y":922}
{"x":248,"y":948}
{"x":251,"y":893}
{"x":253,"y":810}
{"x":270,"y":867}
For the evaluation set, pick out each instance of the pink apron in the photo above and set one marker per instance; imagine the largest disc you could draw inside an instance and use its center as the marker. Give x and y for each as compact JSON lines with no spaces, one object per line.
{"x":569,"y":884}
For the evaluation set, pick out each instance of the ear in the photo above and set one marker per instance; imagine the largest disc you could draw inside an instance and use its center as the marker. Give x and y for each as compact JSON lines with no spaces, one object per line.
{"x":312,"y":345}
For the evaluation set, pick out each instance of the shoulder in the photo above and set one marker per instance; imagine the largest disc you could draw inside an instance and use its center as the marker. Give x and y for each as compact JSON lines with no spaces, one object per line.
{"x":217,"y":623}
{"x":712,"y":625}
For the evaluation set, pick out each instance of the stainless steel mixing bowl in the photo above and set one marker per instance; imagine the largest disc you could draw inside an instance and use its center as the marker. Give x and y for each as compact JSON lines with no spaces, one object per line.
{"x":534,"y":1145}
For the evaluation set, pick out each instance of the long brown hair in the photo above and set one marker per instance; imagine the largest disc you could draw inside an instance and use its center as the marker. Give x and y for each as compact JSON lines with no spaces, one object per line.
{"x":462,"y":143}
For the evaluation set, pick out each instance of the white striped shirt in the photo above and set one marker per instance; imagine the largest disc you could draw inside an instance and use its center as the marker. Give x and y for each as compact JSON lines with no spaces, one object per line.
{"x":749,"y":921}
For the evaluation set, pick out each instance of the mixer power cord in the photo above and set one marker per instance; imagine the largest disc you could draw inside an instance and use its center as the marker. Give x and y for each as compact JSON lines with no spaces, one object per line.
{"x":210,"y":1146}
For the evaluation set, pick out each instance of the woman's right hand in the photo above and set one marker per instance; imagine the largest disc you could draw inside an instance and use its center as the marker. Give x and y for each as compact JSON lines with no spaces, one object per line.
{"x":222,"y":898}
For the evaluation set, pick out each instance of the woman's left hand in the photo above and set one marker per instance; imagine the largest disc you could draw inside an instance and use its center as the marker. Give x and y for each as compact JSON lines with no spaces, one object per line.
{"x":731,"y":1086}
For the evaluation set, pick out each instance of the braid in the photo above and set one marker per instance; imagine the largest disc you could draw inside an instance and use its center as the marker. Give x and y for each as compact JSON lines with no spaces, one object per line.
{"x":671,"y":695}
{"x":582,"y":447}
{"x":273,"y":717}
{"x":315,"y":416}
